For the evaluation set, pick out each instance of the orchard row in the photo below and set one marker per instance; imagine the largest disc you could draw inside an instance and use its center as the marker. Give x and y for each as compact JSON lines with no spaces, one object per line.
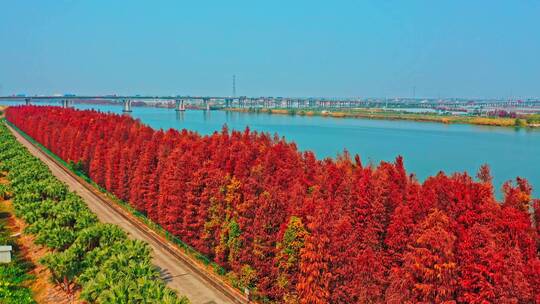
{"x":99,"y":258}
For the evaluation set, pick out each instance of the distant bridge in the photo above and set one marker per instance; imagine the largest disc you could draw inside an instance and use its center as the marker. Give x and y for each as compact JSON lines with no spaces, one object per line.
{"x":205,"y":102}
{"x":126,"y":101}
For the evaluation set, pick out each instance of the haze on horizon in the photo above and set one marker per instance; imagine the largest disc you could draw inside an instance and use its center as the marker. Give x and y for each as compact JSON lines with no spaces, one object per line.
{"x":275,"y":48}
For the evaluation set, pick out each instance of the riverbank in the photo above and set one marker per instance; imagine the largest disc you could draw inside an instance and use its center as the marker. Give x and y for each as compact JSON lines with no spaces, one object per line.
{"x":395,"y":115}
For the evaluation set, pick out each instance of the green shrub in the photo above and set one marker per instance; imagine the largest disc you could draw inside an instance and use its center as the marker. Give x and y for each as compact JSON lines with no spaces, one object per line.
{"x":14,"y":276}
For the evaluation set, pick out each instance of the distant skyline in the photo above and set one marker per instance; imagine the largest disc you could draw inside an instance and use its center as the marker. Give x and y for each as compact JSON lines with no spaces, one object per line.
{"x":473,"y":49}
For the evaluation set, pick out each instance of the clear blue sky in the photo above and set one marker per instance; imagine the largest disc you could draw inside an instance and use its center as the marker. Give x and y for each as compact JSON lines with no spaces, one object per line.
{"x":279,"y":48}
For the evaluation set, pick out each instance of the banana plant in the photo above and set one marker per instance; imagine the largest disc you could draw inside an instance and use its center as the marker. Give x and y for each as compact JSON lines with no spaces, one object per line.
{"x":99,"y":258}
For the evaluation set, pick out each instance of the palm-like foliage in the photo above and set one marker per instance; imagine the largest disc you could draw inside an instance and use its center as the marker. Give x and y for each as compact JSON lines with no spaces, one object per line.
{"x":64,"y":268}
{"x":12,"y":279}
{"x":100,"y":258}
{"x":4,"y":192}
{"x":13,"y":276}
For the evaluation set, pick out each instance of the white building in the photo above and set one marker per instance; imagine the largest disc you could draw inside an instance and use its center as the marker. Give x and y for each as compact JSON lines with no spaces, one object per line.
{"x":5,"y":254}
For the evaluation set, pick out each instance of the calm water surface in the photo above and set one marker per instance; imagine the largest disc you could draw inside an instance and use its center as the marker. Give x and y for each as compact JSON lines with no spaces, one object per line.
{"x":426,"y":147}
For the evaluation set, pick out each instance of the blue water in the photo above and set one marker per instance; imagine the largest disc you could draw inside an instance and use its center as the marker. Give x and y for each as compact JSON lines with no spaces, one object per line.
{"x":426,"y":147}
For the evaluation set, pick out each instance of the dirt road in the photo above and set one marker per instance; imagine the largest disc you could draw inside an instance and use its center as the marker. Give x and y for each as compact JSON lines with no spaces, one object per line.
{"x":176,"y":272}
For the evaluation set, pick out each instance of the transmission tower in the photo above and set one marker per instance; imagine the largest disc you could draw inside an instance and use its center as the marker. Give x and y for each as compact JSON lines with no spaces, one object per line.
{"x":233,"y":85}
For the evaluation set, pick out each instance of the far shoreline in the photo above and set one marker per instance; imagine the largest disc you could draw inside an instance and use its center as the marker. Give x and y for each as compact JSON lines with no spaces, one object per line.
{"x":380,"y":114}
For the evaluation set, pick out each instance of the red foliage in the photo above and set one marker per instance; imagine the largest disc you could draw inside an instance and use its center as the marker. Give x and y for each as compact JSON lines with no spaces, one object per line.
{"x":302,"y":230}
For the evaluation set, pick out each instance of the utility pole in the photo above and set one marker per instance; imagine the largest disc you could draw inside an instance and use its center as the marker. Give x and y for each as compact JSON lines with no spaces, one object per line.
{"x":233,"y":85}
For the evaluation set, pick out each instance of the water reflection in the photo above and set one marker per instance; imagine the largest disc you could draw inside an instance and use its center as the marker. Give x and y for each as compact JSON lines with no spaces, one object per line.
{"x":206,"y":115}
{"x":180,"y":116}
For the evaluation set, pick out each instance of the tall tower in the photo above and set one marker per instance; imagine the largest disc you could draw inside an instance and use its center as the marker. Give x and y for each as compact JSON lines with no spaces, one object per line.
{"x":233,"y":85}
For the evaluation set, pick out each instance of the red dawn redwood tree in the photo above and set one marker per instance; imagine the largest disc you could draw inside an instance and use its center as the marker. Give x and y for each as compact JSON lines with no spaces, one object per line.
{"x":287,"y":259}
{"x":296,"y":229}
{"x":518,"y":196}
{"x":484,"y":174}
{"x":112,"y":167}
{"x":314,"y":278}
{"x":172,"y":193}
{"x":142,"y":188}
{"x":480,"y":258}
{"x":429,"y":271}
{"x":204,"y":187}
{"x":536,"y":206}
{"x":97,"y":162}
{"x":165,"y":142}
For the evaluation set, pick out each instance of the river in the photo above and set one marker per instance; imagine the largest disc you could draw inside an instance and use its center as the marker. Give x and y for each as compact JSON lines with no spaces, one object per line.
{"x":426,"y":147}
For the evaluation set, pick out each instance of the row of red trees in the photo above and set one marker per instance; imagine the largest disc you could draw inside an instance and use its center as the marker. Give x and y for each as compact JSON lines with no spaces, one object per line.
{"x":298,"y":229}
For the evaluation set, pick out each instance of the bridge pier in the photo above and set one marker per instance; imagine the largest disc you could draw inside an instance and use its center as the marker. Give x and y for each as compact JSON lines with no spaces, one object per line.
{"x":66,"y":103}
{"x":206,"y":104}
{"x":126,"y":105}
{"x":27,"y":101}
{"x":180,"y":106}
{"x":228,"y":102}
